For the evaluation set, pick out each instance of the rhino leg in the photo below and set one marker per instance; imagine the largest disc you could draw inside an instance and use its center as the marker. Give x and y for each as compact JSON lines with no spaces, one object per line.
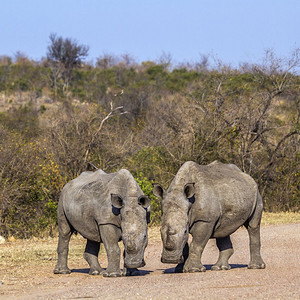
{"x":225,"y":251}
{"x":253,"y":227}
{"x":201,"y":233}
{"x":110,"y":235}
{"x":91,"y":256}
{"x":185,"y":253}
{"x":65,"y":232}
{"x":256,"y":261}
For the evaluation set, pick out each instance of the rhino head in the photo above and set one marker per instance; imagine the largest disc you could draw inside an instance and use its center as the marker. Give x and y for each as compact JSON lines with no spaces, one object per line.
{"x":134,"y":215}
{"x":176,"y":204}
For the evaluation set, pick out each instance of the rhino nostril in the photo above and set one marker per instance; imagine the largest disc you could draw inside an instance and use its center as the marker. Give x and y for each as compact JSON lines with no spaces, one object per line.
{"x":169,"y":245}
{"x":171,"y":231}
{"x":130,"y":247}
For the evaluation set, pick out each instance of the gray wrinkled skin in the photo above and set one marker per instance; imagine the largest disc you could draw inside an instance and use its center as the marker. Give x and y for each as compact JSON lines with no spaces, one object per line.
{"x":209,"y":201}
{"x":104,"y":208}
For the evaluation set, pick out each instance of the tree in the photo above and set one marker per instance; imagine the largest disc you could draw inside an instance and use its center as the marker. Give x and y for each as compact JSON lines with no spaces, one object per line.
{"x":107,"y":61}
{"x":64,"y":54}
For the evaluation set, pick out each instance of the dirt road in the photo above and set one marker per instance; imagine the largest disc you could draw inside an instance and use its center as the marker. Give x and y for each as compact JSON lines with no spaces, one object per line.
{"x":280,"y":280}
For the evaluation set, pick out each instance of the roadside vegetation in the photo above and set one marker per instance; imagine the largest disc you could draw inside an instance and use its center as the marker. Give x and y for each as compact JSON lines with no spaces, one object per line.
{"x":61,"y":116}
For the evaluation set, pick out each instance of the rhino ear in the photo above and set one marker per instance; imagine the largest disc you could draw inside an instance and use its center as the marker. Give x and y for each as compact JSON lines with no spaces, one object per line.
{"x":144,"y":201}
{"x":158,"y":191}
{"x":189,"y":190}
{"x":117,"y":201}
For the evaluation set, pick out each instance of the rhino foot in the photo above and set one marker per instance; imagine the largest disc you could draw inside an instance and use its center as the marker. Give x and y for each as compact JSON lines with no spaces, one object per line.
{"x":194,"y":269}
{"x":96,"y":271}
{"x":59,"y":270}
{"x":220,"y":267}
{"x":111,"y":274}
{"x":257,"y":266}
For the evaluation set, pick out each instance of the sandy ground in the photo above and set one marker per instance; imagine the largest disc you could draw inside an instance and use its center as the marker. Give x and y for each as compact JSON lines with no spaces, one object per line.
{"x":280,"y":280}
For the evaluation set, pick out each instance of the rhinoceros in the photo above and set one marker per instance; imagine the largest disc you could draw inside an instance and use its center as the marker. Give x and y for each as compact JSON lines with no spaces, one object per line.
{"x":104,"y":208}
{"x":208,"y":201}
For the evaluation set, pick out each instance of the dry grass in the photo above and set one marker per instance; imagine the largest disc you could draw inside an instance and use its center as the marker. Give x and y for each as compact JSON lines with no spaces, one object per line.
{"x":37,"y":251}
{"x":280,"y":218}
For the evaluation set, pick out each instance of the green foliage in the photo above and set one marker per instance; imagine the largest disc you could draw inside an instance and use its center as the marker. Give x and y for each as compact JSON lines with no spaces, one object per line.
{"x":156,"y":70}
{"x":179,"y":79}
{"x":147,"y":186}
{"x":153,"y":161}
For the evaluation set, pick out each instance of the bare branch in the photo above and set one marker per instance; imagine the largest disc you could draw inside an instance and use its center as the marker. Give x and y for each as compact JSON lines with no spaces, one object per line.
{"x":110,"y":115}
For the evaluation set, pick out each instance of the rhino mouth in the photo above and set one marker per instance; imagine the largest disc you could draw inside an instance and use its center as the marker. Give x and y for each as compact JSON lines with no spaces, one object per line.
{"x":172,"y":260}
{"x":132,"y":265}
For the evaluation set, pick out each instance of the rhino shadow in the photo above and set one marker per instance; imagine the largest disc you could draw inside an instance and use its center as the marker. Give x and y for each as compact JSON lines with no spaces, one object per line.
{"x":143,"y":273}
{"x":208,"y":268}
{"x":86,"y":271}
{"x":233,"y":266}
{"x":83,"y":271}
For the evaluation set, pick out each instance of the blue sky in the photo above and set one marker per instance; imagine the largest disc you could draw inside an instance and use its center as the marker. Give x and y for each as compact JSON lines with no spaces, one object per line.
{"x":234,"y":31}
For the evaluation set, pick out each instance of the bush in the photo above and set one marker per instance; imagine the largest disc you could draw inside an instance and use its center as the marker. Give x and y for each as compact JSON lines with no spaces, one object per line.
{"x":146,"y":186}
{"x":30,"y":185}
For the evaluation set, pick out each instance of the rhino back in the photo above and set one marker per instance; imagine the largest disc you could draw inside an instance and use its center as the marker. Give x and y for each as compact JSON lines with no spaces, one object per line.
{"x":223,"y":193}
{"x":86,"y":203}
